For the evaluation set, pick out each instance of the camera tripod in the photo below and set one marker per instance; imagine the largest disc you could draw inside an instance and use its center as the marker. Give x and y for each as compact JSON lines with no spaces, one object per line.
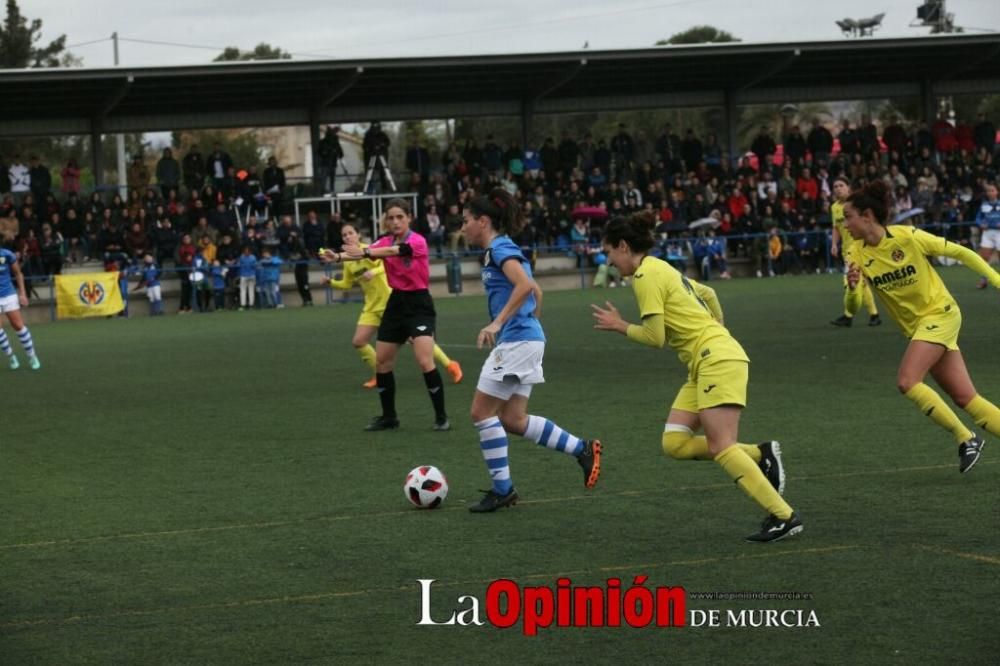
{"x":378,"y":162}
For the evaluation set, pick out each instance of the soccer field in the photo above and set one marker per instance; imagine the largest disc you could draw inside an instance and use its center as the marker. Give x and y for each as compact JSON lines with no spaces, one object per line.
{"x":199,"y":490}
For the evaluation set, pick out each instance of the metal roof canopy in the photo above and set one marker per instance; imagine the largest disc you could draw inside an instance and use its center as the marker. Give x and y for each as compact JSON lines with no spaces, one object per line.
{"x":289,"y":92}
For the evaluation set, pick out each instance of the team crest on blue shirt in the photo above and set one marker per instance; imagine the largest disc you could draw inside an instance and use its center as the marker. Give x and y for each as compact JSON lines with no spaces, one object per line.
{"x":897,"y":255}
{"x":3,"y":260}
{"x":91,"y":293}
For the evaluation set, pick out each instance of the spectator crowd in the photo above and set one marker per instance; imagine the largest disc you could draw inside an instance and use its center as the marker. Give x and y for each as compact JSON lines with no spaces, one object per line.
{"x":770,"y":204}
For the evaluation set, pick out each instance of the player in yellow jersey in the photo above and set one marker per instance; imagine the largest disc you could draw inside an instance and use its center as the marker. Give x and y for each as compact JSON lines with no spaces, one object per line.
{"x":853,"y":297}
{"x":894,"y":261}
{"x":718,"y":369}
{"x":370,"y":275}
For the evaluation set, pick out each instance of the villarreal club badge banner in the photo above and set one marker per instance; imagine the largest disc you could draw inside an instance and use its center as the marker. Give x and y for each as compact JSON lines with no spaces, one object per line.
{"x":88,"y":295}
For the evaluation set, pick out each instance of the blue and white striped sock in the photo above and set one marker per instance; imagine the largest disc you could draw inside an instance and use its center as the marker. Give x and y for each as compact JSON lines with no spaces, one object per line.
{"x":548,"y":434}
{"x":24,"y":335}
{"x":5,"y":343}
{"x":493,"y":443}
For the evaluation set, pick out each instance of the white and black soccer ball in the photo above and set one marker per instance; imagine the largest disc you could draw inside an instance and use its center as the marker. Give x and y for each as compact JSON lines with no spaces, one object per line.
{"x":425,"y":487}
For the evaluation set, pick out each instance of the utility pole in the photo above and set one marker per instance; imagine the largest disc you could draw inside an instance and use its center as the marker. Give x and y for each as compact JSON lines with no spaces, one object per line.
{"x":120,"y":141}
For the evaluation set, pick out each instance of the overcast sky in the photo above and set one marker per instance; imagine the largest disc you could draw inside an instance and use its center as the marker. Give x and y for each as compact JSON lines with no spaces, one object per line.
{"x":390,"y":28}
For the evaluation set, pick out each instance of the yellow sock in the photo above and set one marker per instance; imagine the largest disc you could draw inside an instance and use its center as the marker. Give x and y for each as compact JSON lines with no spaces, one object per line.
{"x":985,"y":414}
{"x":440,"y":357}
{"x":748,"y":476}
{"x":367,"y":354}
{"x":868,"y":298}
{"x":931,"y":404}
{"x":681,"y":444}
{"x":852,"y":299}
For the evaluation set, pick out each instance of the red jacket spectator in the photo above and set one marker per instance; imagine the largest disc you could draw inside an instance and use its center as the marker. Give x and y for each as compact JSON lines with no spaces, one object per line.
{"x":944,"y":136}
{"x":807,"y":184}
{"x":965,"y":137}
{"x":70,"y":178}
{"x":735,"y":204}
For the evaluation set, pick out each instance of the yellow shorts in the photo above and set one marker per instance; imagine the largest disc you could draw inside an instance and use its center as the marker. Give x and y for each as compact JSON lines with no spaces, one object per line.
{"x":721,"y":383}
{"x":370,"y":318}
{"x":941,"y":329}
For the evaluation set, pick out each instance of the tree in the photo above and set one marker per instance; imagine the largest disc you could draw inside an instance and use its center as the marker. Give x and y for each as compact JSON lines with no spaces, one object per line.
{"x":18,"y":42}
{"x":262,"y":51}
{"x":699,"y":34}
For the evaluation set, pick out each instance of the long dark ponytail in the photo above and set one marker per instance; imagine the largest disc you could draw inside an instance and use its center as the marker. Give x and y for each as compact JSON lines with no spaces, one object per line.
{"x":502,"y":209}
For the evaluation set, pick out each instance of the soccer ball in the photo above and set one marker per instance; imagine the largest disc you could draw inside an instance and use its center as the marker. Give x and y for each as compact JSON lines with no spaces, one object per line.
{"x":425,"y":487}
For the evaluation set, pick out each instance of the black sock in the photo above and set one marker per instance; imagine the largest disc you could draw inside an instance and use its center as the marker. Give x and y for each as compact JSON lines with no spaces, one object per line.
{"x":386,"y":382}
{"x":435,"y":387}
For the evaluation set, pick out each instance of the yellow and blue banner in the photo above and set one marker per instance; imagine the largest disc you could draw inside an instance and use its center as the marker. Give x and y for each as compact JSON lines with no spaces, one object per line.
{"x":88,"y":295}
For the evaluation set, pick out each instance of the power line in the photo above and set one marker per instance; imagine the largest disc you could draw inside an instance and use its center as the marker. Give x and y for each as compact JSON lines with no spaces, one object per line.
{"x":94,"y":41}
{"x":202,"y":47}
{"x":176,"y":44}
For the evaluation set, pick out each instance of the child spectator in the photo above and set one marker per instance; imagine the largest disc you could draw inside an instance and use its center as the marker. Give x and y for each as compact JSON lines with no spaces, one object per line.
{"x":248,"y":277}
{"x":218,"y":274}
{"x":269,"y":279}
{"x":150,"y":279}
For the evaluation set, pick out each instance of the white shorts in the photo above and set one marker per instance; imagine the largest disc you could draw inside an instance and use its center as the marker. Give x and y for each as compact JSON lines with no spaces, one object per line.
{"x":512,"y":368}
{"x":10,"y":303}
{"x":990,"y":239}
{"x":154,"y":294}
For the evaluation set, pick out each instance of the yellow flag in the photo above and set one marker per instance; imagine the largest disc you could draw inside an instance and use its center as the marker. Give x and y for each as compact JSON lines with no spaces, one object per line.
{"x":88,"y":295}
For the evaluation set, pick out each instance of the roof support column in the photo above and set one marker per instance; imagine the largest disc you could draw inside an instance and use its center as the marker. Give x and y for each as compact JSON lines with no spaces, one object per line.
{"x":731,"y":120}
{"x":317,"y":169}
{"x":928,"y":103}
{"x":527,"y":116}
{"x":96,"y":152}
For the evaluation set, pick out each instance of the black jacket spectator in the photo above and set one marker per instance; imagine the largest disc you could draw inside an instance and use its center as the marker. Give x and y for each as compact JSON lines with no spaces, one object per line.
{"x":820,"y":141}
{"x":868,"y":138}
{"x":492,"y":156}
{"x":219,"y":164}
{"x":763,"y":146}
{"x":691,"y":150}
{"x":569,"y":154}
{"x":895,"y":138}
{"x":330,"y":150}
{"x":312,"y":234}
{"x":41,"y":179}
{"x":194,"y":169}
{"x":985,"y":134}
{"x":274,"y":180}
{"x":165,"y":239}
{"x":550,"y":157}
{"x":168,"y":173}
{"x":795,"y":146}
{"x":623,"y":145}
{"x":850,"y":142}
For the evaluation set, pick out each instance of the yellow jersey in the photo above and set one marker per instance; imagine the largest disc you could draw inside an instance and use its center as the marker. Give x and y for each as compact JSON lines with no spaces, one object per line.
{"x":691,"y":329}
{"x":900,"y":271}
{"x":376,"y":291}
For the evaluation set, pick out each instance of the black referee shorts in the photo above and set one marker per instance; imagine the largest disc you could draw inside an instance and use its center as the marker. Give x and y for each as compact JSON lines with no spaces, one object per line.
{"x":408,"y":314}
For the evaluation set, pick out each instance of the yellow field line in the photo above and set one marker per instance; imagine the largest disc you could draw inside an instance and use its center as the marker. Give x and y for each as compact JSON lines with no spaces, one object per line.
{"x":384,"y":514}
{"x":323,"y":596}
{"x":969,"y":556}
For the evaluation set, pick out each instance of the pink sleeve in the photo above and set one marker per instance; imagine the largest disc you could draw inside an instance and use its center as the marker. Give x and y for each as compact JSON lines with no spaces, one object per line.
{"x":384,"y":241}
{"x":419,"y":245}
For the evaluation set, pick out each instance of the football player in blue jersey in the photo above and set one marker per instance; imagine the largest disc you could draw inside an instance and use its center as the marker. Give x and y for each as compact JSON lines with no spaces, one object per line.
{"x":514,"y":366}
{"x":12,"y":299}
